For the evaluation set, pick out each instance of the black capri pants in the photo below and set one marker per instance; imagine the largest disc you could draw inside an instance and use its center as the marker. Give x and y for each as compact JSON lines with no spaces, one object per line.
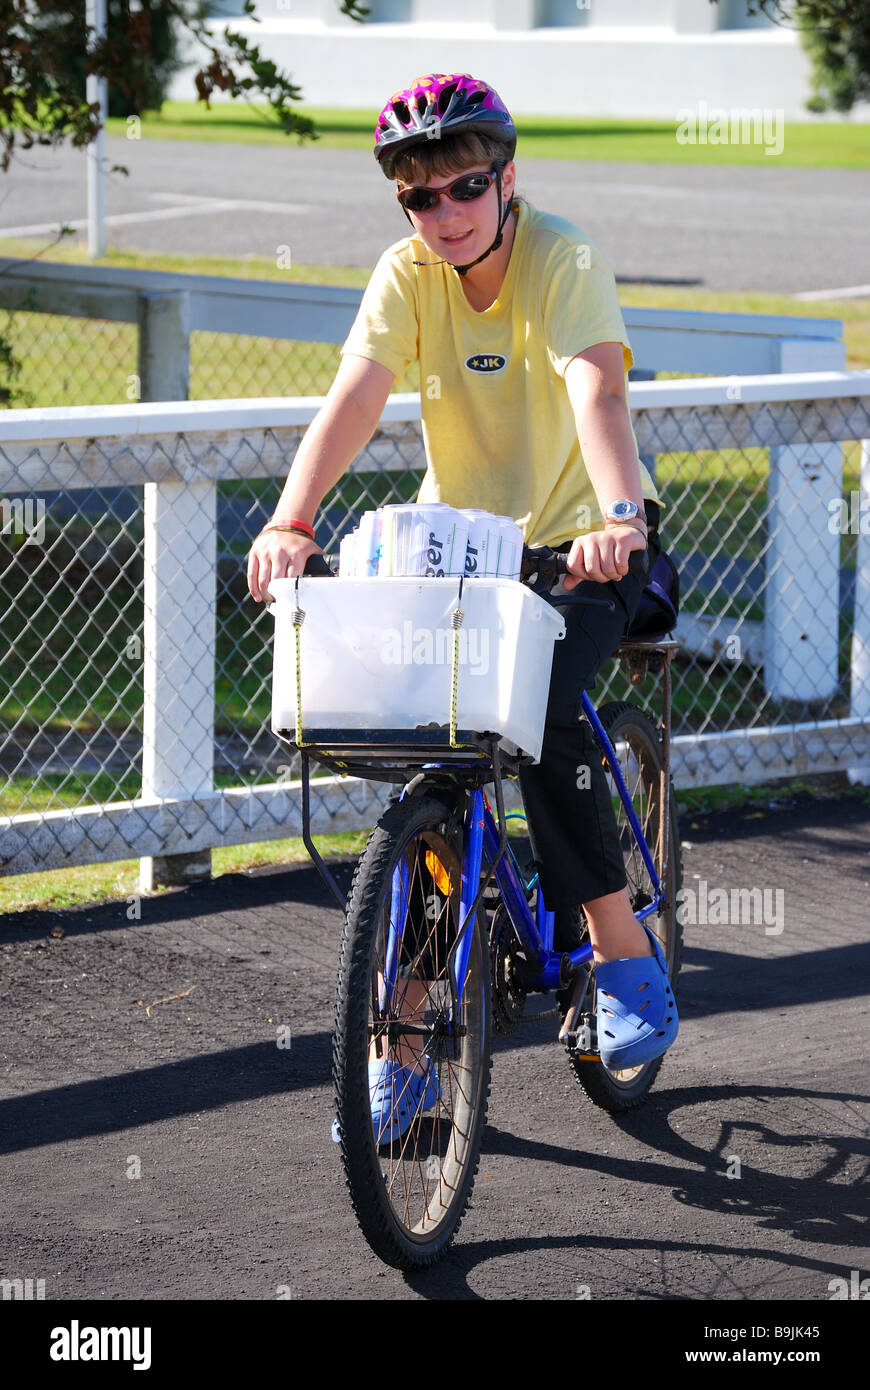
{"x":572,"y":830}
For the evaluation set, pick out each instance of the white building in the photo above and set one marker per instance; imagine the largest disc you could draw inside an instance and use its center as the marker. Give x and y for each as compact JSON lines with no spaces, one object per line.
{"x":618,"y":58}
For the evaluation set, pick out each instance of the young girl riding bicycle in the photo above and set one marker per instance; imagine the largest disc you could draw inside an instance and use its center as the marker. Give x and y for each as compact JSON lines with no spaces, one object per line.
{"x":513,"y":317}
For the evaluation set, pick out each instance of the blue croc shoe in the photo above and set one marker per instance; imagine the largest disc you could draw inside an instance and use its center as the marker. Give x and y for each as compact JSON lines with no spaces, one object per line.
{"x":635,"y":1010}
{"x":398,"y":1095}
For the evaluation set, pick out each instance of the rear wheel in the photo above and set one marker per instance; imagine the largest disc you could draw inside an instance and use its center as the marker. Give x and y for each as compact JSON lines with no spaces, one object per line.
{"x":635,"y":739}
{"x":396,"y":1002}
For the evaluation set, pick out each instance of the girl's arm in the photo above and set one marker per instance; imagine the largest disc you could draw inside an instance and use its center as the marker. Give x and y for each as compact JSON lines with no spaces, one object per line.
{"x":341,"y":428}
{"x":595,"y":380}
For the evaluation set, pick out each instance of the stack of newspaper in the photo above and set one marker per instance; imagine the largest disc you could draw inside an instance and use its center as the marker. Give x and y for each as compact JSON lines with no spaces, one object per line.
{"x":410,"y":539}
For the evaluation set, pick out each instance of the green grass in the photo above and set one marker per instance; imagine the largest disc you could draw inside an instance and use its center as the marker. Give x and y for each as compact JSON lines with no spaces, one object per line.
{"x":735,"y":795}
{"x":807,"y":144}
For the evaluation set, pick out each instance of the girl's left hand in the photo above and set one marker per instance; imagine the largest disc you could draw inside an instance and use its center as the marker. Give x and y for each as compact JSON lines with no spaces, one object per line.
{"x":602,"y":555}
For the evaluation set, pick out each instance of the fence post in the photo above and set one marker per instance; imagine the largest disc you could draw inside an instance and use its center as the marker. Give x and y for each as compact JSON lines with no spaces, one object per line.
{"x":860,"y":686}
{"x":164,"y":345}
{"x":802,"y":587}
{"x":180,"y":591}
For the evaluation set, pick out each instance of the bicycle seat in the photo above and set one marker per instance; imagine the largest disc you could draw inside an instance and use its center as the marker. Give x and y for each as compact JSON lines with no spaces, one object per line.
{"x":643,"y":657}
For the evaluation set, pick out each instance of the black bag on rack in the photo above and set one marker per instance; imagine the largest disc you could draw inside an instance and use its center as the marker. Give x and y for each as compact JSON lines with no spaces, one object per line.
{"x":659,"y":603}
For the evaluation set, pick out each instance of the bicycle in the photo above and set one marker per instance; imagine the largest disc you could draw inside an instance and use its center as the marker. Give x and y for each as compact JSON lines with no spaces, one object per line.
{"x":446,"y":934}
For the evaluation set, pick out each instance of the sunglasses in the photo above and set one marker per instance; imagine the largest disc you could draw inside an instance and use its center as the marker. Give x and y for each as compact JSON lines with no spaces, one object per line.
{"x":462,"y":190}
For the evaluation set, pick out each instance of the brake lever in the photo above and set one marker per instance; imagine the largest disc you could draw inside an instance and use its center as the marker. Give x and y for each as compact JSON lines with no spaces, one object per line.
{"x":543,"y":563}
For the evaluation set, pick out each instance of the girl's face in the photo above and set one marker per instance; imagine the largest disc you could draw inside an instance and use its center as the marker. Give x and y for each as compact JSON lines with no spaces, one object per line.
{"x":459,"y":232}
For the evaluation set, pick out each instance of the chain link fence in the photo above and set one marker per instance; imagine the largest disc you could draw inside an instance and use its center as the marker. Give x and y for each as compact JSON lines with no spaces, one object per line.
{"x":136,"y":671}
{"x":79,"y":358}
{"x":65,"y":361}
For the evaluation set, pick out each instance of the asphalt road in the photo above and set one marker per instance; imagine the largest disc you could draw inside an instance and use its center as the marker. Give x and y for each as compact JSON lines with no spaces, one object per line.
{"x":240,"y":1191}
{"x":768,"y":228}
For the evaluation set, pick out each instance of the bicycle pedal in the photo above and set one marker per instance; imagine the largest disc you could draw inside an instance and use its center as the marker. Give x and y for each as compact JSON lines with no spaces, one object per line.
{"x":580,"y":1042}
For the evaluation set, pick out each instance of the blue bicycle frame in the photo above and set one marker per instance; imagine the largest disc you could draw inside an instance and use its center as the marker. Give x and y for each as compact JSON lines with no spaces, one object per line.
{"x":547,"y":969}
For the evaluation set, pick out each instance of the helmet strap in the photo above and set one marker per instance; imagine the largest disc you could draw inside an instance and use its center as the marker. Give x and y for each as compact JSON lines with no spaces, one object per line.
{"x":499,"y":236}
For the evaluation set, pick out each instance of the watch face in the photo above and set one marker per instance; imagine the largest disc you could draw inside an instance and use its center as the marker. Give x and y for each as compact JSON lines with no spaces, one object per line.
{"x":623,"y":509}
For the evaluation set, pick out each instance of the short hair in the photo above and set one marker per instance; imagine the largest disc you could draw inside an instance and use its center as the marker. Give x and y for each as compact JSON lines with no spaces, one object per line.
{"x":439,"y":158}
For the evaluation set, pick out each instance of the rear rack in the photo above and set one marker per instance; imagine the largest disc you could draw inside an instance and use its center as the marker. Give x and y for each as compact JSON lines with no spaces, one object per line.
{"x":395,"y":755}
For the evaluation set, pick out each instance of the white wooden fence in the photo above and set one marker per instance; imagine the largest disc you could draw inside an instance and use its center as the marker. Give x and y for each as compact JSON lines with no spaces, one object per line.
{"x":180,"y":451}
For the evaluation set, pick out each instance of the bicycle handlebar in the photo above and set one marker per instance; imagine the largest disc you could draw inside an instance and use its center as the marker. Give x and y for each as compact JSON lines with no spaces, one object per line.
{"x":548,"y":566}
{"x":540,"y":565}
{"x":316,"y":567}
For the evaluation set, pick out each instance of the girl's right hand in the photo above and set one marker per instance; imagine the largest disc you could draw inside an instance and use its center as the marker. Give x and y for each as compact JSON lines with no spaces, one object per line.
{"x":277,"y":555}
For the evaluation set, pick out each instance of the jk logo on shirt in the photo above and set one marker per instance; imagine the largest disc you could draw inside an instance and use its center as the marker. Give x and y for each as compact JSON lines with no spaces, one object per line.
{"x":485,"y":362}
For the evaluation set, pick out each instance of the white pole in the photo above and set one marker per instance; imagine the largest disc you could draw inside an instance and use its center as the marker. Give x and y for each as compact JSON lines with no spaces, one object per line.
{"x":802,"y":581}
{"x":860,"y":706}
{"x":96,"y":91}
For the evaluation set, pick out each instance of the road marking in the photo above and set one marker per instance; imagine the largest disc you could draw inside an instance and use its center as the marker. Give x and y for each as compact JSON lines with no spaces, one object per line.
{"x":188,"y":209}
{"x":256,"y":204}
{"x":849,"y":292}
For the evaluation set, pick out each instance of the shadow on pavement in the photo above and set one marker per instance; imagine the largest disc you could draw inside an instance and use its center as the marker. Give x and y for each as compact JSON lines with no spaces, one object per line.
{"x":129,"y":1099}
{"x":812,"y":1209}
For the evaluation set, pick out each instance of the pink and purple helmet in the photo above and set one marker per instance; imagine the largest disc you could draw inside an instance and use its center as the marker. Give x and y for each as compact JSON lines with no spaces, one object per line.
{"x":437,"y":104}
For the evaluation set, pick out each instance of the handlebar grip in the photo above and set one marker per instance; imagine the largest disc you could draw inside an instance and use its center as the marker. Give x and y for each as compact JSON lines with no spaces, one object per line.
{"x":548,"y":566}
{"x":317,"y":567}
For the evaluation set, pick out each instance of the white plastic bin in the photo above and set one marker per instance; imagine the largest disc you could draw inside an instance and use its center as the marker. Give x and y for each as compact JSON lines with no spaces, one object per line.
{"x":377,"y":654}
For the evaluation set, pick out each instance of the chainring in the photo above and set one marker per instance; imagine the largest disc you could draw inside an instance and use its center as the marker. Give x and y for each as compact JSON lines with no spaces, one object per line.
{"x":508,"y":995}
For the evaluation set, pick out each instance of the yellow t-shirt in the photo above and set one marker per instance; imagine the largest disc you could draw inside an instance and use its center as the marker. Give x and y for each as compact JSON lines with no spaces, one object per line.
{"x":498,"y":426}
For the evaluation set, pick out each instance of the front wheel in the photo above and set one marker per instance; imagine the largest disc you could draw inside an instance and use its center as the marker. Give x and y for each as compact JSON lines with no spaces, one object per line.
{"x":397,"y":1004}
{"x":636,"y":743}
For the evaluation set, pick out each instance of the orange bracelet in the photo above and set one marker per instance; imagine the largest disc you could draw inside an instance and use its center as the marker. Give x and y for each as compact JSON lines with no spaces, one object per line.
{"x":294,"y":522}
{"x":297,"y":531}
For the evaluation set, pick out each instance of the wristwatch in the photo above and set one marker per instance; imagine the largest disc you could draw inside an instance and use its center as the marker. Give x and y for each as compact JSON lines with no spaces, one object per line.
{"x":623,"y":510}
{"x":627,"y":513}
